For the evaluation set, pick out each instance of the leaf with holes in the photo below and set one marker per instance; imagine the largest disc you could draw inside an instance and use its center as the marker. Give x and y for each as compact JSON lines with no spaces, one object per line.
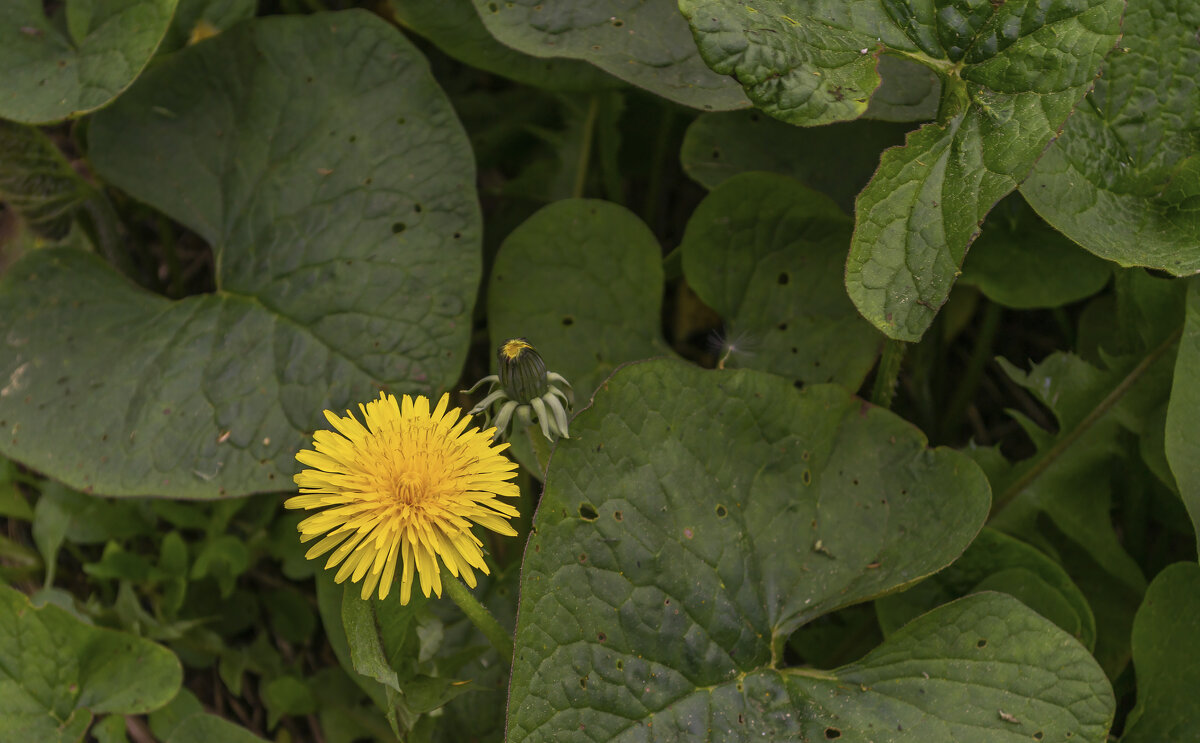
{"x":327,"y":170}
{"x":644,"y":43}
{"x":1123,"y":180}
{"x":724,"y":510}
{"x":766,"y":253}
{"x":77,"y":61}
{"x":56,"y":672}
{"x":583,"y":281}
{"x":1011,"y":74}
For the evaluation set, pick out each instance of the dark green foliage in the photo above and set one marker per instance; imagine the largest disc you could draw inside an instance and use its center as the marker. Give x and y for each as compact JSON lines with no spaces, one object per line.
{"x":878,"y":318}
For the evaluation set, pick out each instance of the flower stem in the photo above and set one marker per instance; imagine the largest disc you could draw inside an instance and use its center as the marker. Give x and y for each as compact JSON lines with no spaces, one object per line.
{"x":479,"y":616}
{"x":888,"y":372}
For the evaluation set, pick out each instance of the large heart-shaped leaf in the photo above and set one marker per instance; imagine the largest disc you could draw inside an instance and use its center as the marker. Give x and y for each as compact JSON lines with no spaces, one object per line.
{"x":582,"y":279}
{"x":1166,"y":642}
{"x":697,"y":518}
{"x":69,"y":65}
{"x":767,"y":253}
{"x":1123,"y":180}
{"x":645,"y":43}
{"x":1011,"y":74}
{"x":326,"y":168}
{"x":56,"y":672}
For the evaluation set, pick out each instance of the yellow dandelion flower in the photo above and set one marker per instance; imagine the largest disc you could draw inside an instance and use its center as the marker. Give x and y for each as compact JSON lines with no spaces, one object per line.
{"x":404,"y":486}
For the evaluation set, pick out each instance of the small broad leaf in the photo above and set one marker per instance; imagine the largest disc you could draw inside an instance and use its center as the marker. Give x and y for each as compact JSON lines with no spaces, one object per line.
{"x":326,"y":168}
{"x":287,"y":695}
{"x":202,"y":727}
{"x":1019,"y":261}
{"x":1182,"y":438}
{"x":56,"y":672}
{"x":767,"y":253}
{"x":37,"y":182}
{"x":1011,"y":74}
{"x":997,"y":562}
{"x":456,"y":29}
{"x":1166,"y":642}
{"x":1123,"y":180}
{"x":582,"y":280}
{"x":645,"y":43}
{"x":718,"y":146}
{"x":52,"y":75}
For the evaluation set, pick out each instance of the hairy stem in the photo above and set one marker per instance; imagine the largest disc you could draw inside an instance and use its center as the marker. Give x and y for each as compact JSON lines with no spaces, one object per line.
{"x":480,"y":617}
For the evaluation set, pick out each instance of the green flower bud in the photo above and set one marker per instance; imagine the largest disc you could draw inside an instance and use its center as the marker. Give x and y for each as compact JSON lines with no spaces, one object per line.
{"x":522,"y":371}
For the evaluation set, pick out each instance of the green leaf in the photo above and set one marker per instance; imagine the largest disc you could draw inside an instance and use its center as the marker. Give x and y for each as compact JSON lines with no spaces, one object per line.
{"x":110,"y":729}
{"x":456,"y":28}
{"x":287,"y":695}
{"x":1019,"y":261}
{"x":1123,"y":180}
{"x":56,"y":672}
{"x":997,"y":562}
{"x":984,"y":668}
{"x":223,"y":558}
{"x":37,"y":182}
{"x":291,"y":616}
{"x":51,"y":520}
{"x":205,"y":728}
{"x":13,"y":503}
{"x":1070,"y":478}
{"x":720,"y":145}
{"x":164,"y":720}
{"x":1012,"y":72}
{"x":51,"y":75}
{"x":583,"y":281}
{"x":196,"y":20}
{"x":767,"y":253}
{"x":323,"y":164}
{"x":725,"y":510}
{"x":908,"y":91}
{"x":1166,"y":641}
{"x":1182,"y":438}
{"x":645,"y":43}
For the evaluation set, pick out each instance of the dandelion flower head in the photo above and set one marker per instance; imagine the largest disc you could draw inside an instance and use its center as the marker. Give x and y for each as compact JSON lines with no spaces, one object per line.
{"x":404,"y":487}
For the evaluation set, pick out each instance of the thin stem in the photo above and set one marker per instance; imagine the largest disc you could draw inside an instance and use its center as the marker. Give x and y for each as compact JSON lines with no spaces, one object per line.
{"x":812,"y":673}
{"x":1054,"y":452}
{"x":884,"y":391}
{"x":658,"y":160}
{"x":585,"y":147}
{"x":965,"y":392}
{"x":479,"y":616}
